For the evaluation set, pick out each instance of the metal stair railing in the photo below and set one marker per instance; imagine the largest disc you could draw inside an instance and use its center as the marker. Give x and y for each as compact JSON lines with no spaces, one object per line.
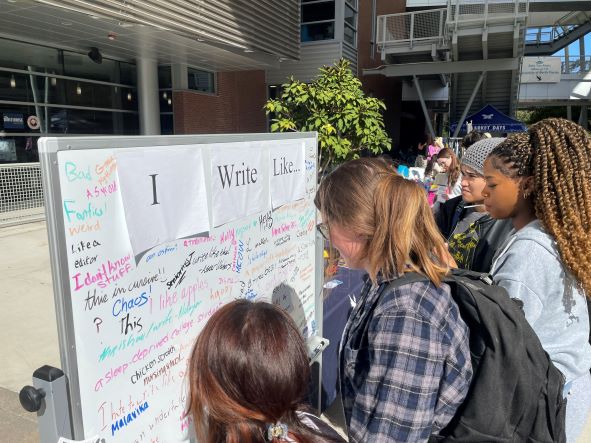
{"x":561,"y":28}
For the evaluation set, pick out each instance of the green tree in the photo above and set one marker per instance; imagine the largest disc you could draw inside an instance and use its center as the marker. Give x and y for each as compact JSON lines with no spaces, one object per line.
{"x":334,"y":105}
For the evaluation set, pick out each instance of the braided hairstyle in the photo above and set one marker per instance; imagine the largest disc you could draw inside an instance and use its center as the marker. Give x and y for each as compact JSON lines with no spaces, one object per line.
{"x":557,"y":153}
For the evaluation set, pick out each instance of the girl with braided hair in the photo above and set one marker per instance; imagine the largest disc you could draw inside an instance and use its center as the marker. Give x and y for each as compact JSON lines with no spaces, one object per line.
{"x":541,"y":180}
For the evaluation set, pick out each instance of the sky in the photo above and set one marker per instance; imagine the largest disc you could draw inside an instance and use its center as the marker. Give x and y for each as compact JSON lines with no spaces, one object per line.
{"x":573,"y":48}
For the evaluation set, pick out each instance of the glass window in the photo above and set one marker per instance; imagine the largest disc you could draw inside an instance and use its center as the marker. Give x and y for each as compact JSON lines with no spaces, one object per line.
{"x":317,"y":21}
{"x":80,"y":65}
{"x":350,"y":16}
{"x":201,"y":80}
{"x":131,"y":124}
{"x":166,"y":124}
{"x":14,"y":86}
{"x":128,"y":73}
{"x":317,"y":31}
{"x":166,"y":100}
{"x":350,"y":35}
{"x":165,"y":77}
{"x":20,"y":55}
{"x":316,"y":12}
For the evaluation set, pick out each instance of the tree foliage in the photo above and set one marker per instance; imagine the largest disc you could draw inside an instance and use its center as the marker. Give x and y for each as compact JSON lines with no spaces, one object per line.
{"x":334,"y":105}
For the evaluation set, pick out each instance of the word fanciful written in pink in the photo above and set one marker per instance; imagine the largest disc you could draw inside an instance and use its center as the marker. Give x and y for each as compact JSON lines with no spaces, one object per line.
{"x":106,"y":274}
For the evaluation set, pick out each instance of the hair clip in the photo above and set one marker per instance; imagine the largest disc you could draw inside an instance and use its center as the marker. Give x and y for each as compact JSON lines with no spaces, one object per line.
{"x":277,"y":431}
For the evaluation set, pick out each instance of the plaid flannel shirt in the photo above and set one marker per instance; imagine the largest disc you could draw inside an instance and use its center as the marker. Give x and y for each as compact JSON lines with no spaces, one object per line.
{"x":404,"y":363}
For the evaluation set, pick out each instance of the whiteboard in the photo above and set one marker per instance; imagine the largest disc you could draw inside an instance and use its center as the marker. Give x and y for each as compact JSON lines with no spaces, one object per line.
{"x":127,"y":318}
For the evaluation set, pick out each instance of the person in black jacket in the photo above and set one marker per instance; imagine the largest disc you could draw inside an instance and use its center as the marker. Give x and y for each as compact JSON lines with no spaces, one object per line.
{"x":472,"y":235}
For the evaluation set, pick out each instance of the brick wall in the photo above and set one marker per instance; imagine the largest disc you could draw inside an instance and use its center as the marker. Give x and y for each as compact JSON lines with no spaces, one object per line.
{"x":236,"y":107}
{"x":388,"y":89}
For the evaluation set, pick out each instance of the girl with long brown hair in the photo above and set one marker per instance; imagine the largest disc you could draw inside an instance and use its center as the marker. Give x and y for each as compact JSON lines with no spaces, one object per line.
{"x":404,"y":360}
{"x":249,"y":377}
{"x":541,"y":180}
{"x":450,"y":164}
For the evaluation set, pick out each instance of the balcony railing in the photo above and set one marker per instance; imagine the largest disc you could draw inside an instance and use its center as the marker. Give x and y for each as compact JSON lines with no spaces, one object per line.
{"x":484,"y":12}
{"x":575,"y":64}
{"x":410,"y":28}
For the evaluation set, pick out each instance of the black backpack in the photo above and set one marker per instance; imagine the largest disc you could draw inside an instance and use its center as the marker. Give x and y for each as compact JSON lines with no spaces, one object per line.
{"x":516,"y":393}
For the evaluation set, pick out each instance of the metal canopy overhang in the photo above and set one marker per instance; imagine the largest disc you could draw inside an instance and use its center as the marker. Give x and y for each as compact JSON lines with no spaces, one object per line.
{"x":48,"y":25}
{"x":431,"y":68}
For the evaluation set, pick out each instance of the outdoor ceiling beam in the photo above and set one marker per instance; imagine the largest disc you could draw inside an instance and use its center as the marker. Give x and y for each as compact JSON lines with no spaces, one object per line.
{"x":435,"y":68}
{"x":484,"y":57}
{"x":468,"y":105}
{"x":442,"y":77}
{"x":424,"y":106}
{"x":516,"y":40}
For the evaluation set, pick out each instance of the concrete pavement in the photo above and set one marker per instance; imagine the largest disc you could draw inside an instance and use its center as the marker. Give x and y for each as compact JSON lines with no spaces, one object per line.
{"x":28,"y":331}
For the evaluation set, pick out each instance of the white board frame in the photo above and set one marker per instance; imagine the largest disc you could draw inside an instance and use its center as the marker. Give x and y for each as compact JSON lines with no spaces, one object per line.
{"x":48,"y":157}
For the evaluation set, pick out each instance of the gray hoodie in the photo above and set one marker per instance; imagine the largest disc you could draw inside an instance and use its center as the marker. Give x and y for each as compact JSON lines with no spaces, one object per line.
{"x":529,"y":267}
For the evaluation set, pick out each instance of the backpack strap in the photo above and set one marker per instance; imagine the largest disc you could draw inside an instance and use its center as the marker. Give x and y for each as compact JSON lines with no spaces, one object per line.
{"x":406,"y":279}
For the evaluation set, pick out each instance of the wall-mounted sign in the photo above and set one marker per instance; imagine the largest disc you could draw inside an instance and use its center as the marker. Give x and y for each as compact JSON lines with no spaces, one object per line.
{"x":33,"y":122}
{"x":13,"y":120}
{"x":541,"y":69}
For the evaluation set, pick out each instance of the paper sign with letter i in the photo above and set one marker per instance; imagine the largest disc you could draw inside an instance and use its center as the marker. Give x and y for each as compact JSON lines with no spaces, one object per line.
{"x":238,"y":183}
{"x":288,"y":173}
{"x":164,"y":195}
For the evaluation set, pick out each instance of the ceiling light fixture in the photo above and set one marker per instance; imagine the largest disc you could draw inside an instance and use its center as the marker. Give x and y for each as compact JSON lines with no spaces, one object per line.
{"x":53,"y":81}
{"x":78,"y":89}
{"x":169,"y":101}
{"x":12,"y":81}
{"x":164,"y":95}
{"x":129,"y":96}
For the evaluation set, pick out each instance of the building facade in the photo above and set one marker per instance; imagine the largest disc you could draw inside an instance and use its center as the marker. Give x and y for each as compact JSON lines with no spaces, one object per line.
{"x":126,"y":68}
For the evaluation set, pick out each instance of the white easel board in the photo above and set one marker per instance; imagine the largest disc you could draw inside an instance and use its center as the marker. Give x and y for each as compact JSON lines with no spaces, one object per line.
{"x":149,"y":236}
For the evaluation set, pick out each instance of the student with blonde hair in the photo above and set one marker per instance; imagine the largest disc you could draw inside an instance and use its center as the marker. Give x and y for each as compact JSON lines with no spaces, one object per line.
{"x":404,"y":359}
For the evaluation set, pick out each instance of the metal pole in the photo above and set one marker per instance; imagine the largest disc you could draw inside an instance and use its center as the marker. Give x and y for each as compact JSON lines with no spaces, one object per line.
{"x":424,"y":106}
{"x":148,"y":98}
{"x":374,"y":25}
{"x":582,"y":54}
{"x":412,"y":27}
{"x":583,"y":116}
{"x":465,"y":113}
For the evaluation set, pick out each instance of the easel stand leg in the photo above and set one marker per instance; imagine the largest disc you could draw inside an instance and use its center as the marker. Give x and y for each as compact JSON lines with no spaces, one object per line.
{"x":49,"y":398}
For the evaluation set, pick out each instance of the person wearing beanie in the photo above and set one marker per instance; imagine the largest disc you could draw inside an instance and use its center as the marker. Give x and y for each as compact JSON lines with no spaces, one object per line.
{"x":472,"y":235}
